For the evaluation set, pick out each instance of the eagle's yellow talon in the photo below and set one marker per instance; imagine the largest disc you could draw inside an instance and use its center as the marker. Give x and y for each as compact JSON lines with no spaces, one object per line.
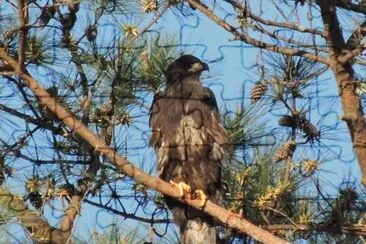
{"x":184,"y":189}
{"x":200,"y":195}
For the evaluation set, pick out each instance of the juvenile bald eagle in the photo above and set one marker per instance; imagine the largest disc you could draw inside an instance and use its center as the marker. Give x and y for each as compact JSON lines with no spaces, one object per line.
{"x":190,"y":143}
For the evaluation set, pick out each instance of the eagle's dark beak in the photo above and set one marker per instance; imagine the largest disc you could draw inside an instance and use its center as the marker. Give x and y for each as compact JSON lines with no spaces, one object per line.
{"x":205,"y":66}
{"x":198,"y":67}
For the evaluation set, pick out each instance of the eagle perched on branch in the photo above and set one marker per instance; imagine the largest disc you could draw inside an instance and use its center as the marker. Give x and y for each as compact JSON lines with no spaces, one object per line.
{"x":190,"y":143}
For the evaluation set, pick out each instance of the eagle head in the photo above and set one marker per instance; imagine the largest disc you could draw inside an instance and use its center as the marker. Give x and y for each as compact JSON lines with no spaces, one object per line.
{"x":185,"y":66}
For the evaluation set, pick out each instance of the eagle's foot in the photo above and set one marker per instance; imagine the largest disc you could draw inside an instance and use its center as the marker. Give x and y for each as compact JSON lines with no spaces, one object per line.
{"x":200,"y":195}
{"x":184,"y":189}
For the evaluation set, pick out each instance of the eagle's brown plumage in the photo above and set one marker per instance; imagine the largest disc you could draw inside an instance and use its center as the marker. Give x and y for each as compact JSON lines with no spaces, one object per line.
{"x":189,"y":140}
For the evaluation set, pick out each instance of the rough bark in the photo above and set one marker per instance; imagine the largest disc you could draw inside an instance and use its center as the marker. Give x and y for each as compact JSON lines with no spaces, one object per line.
{"x":344,"y":75}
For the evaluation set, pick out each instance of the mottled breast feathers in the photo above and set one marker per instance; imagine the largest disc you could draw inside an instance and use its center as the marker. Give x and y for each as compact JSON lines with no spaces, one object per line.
{"x":186,"y":125}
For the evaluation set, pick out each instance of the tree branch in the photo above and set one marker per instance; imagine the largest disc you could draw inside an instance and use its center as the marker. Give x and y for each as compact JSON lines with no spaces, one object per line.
{"x":346,"y":229}
{"x":349,"y":55}
{"x":228,"y":218}
{"x":348,"y":5}
{"x":43,"y":124}
{"x":287,"y":25}
{"x":290,"y":40}
{"x":23,"y":19}
{"x":73,"y":209}
{"x":357,"y":35}
{"x":130,"y":216}
{"x":353,"y":44}
{"x":38,"y":227}
{"x":251,"y":41}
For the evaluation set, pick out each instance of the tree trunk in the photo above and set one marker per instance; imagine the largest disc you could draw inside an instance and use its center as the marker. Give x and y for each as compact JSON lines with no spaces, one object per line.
{"x":344,"y":75}
{"x":198,"y":232}
{"x":353,"y":114}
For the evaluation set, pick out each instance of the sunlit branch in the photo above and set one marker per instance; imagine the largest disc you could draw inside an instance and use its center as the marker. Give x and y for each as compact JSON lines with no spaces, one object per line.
{"x":287,"y":25}
{"x":251,"y":41}
{"x":289,"y":40}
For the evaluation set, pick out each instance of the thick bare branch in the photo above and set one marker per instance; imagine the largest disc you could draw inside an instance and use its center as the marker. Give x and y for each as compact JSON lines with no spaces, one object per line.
{"x":228,"y":218}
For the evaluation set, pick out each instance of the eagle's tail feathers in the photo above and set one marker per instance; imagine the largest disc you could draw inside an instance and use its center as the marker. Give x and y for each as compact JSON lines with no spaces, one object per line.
{"x":197,"y":231}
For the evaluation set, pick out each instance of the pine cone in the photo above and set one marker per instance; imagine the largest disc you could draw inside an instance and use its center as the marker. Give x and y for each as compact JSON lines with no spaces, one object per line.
{"x":310,"y":131}
{"x":2,"y":169}
{"x":45,"y":112}
{"x":47,"y":14}
{"x":105,"y":110}
{"x":288,"y":121}
{"x":302,"y":124}
{"x":91,"y":33}
{"x":108,"y":134}
{"x":285,"y":151}
{"x":258,"y":92}
{"x":2,"y":176}
{"x":67,"y":191}
{"x":35,"y":199}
